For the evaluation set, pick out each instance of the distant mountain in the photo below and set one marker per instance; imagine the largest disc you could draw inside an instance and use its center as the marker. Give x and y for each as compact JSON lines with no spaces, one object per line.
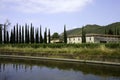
{"x":114,"y":28}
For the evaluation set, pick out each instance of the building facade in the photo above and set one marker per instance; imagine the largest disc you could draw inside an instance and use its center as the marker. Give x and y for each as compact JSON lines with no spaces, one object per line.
{"x":94,"y":38}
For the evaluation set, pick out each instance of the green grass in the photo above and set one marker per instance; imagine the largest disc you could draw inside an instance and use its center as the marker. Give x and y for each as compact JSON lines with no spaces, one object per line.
{"x":109,"y":52}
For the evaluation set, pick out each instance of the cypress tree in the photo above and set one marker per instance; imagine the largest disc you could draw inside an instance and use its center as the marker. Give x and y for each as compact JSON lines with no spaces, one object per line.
{"x":14,"y":35}
{"x":17,"y":33}
{"x":37,"y":39}
{"x":7,"y":37}
{"x":41,"y":38}
{"x":33,"y":40}
{"x":11,"y":37}
{"x":49,"y":36}
{"x":83,"y":35}
{"x":45,"y":36}
{"x":22,"y":34}
{"x":4,"y":33}
{"x":0,"y":34}
{"x":65,"y":34}
{"x":110,"y":32}
{"x":32,"y":34}
{"x":118,"y":33}
{"x":26,"y":35}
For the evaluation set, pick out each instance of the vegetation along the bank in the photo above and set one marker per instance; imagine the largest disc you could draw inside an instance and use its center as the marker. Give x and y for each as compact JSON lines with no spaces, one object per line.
{"x":102,"y":52}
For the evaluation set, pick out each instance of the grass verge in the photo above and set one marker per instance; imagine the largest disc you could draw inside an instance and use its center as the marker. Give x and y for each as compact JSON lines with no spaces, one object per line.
{"x":99,"y":52}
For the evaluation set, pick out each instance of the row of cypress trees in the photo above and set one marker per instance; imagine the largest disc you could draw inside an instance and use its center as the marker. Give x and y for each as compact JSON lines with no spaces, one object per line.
{"x":23,"y":34}
{"x":26,"y":34}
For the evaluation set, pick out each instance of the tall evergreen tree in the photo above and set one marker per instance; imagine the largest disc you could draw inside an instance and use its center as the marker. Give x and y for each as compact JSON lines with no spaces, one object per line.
{"x":17,"y":33}
{"x":65,"y":34}
{"x":45,"y":36}
{"x":7,"y":37}
{"x":4,"y":33}
{"x":105,"y":31}
{"x":22,"y":34}
{"x":41,"y":38}
{"x":26,"y":35}
{"x":110,"y":32}
{"x":37,"y":37}
{"x":28,"y":38}
{"x":83,"y":35}
{"x":49,"y":36}
{"x":20,"y":39}
{"x":0,"y":34}
{"x":32,"y":34}
{"x":115,"y":33}
{"x":11,"y":37}
{"x":118,"y":31}
{"x":14,"y":36}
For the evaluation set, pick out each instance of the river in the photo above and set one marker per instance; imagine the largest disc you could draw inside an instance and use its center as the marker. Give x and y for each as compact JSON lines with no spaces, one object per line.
{"x":16,"y":69}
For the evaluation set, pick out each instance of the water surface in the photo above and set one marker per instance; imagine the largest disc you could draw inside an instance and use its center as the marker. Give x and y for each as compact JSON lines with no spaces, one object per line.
{"x":13,"y":69}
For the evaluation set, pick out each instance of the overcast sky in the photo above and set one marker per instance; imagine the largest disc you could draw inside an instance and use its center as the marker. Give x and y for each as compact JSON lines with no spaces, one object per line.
{"x":54,"y":14}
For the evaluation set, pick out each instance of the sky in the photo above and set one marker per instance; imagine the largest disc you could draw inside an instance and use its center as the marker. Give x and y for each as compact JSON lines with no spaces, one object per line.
{"x":54,"y":14}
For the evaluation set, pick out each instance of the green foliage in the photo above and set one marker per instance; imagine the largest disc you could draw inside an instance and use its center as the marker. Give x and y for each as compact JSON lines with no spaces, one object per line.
{"x":112,"y":45}
{"x":12,"y":37}
{"x":16,"y":33}
{"x":110,"y":32}
{"x":20,"y":39}
{"x":22,"y":34}
{"x":110,"y":52}
{"x":41,"y":38}
{"x":83,"y":35}
{"x":0,"y":34}
{"x":5,"y":34}
{"x":26,"y":34}
{"x":7,"y":39}
{"x":45,"y":36}
{"x":65,"y":34}
{"x":37,"y":37}
{"x":55,"y":35}
{"x":49,"y":37}
{"x":32,"y":34}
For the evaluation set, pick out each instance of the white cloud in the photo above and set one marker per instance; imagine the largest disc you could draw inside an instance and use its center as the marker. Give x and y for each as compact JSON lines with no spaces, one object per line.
{"x":44,"y":6}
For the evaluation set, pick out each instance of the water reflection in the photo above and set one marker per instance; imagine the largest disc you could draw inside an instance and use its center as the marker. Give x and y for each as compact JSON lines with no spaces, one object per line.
{"x":13,"y":69}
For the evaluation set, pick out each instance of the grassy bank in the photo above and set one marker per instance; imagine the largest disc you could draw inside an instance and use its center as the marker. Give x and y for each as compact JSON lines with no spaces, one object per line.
{"x":100,"y":52}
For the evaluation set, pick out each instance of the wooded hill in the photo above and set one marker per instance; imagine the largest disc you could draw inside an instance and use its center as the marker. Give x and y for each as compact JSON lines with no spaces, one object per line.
{"x":113,"y":29}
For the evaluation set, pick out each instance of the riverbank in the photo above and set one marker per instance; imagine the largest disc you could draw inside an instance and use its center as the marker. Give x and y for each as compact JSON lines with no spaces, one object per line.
{"x":92,"y":52}
{"x":58,"y":59}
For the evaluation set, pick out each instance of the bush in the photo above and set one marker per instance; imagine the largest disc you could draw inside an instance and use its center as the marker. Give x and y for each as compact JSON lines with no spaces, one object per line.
{"x":62,"y":45}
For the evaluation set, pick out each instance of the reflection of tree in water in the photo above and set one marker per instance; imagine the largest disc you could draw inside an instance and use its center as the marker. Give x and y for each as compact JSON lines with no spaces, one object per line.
{"x":27,"y":65}
{"x":0,"y":67}
{"x":4,"y":75}
{"x":4,"y":72}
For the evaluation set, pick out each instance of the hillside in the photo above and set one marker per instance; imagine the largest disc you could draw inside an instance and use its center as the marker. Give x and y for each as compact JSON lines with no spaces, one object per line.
{"x":97,"y":29}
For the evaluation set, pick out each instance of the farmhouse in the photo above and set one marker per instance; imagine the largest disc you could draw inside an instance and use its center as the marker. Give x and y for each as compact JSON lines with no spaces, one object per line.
{"x":94,"y":38}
